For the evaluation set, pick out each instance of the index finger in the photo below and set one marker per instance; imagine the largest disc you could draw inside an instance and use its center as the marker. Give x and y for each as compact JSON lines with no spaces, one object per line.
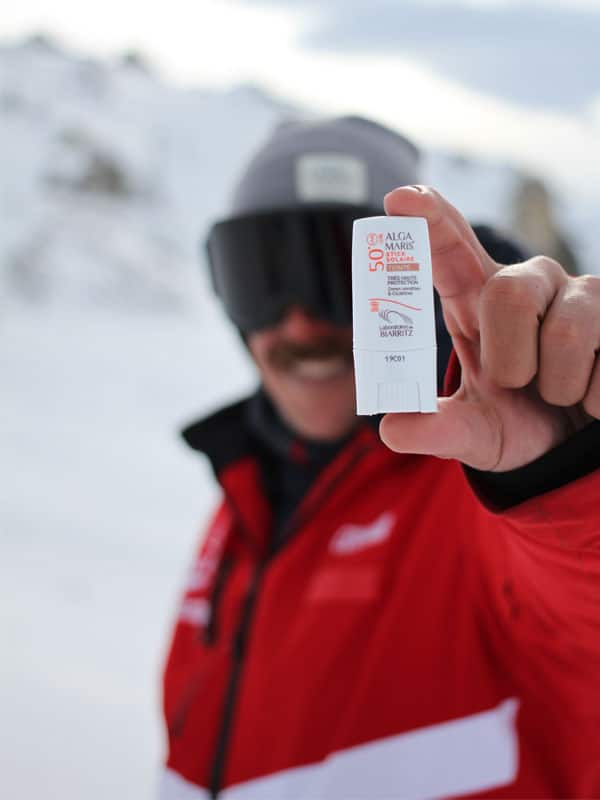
{"x":460,"y":263}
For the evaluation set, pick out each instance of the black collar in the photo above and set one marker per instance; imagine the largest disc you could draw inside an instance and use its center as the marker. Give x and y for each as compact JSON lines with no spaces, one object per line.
{"x":249,"y":428}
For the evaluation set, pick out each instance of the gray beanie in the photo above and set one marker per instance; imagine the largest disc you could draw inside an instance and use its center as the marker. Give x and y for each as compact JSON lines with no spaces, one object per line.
{"x":347,"y":160}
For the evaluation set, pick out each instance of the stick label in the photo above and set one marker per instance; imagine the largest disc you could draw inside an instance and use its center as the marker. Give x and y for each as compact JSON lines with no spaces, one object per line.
{"x":393,"y":286}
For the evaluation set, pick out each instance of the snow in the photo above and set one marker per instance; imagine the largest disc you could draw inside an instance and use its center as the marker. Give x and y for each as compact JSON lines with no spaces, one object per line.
{"x":100,"y":516}
{"x":110,"y":175}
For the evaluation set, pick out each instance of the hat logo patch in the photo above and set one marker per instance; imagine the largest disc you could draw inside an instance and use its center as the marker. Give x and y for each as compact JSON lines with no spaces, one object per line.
{"x":331,"y":177}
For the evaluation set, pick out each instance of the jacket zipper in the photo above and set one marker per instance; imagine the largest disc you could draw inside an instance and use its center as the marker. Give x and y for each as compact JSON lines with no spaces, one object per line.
{"x":240,"y":638}
{"x":305,"y":510}
{"x":208,"y":634}
{"x":238,"y":650}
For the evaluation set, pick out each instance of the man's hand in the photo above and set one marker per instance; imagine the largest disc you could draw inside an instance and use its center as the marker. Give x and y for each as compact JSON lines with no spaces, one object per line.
{"x":527,"y":337}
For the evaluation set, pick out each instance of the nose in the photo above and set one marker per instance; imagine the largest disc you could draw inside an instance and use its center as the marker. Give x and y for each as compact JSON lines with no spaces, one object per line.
{"x":299,"y":325}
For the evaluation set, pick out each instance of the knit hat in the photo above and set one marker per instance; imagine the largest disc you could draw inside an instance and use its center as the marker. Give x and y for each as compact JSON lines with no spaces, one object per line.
{"x":347,"y":160}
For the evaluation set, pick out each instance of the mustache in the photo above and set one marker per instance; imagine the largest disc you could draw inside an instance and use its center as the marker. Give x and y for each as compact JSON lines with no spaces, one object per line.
{"x":284,"y":354}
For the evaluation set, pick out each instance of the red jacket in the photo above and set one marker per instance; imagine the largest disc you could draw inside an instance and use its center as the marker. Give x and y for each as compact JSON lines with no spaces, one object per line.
{"x":407,"y":642}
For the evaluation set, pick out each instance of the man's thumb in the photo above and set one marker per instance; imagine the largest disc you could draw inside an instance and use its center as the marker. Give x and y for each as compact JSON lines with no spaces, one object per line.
{"x":459,"y":430}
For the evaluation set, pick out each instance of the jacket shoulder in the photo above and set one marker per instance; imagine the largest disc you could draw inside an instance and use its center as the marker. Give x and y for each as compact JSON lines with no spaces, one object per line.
{"x":222,"y":436}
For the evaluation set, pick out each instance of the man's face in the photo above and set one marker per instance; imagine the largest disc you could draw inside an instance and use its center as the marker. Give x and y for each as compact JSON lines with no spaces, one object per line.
{"x":306,"y":369}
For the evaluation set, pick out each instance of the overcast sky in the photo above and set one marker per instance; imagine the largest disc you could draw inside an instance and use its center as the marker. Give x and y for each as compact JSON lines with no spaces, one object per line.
{"x":517,"y":80}
{"x":535,"y":54}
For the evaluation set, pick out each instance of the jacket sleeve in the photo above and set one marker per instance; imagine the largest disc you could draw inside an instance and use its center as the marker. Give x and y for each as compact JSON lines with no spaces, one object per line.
{"x":541,"y":584}
{"x":573,"y":459}
{"x":576,"y":457}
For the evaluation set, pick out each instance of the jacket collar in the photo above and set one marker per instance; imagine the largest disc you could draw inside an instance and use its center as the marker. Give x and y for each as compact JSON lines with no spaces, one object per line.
{"x":251,"y":427}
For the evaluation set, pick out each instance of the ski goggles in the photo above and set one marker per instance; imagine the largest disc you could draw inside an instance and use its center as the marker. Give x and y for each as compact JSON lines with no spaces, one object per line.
{"x":262,"y":264}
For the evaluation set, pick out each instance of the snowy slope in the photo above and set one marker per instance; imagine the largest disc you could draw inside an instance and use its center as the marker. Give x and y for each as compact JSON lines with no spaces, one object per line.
{"x":100,"y":512}
{"x":108,"y":175}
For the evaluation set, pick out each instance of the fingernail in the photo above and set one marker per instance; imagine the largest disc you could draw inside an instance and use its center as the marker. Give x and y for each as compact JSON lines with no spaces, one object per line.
{"x":415,"y":187}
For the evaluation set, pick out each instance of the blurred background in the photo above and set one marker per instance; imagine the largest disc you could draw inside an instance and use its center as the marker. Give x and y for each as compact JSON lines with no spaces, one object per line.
{"x":122,"y":127}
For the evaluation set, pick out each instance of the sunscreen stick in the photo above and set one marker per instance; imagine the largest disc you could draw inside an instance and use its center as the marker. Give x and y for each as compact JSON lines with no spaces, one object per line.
{"x":393,"y":316}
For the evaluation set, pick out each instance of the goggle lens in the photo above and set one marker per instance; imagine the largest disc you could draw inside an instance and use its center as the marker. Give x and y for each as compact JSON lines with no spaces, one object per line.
{"x":261,"y":264}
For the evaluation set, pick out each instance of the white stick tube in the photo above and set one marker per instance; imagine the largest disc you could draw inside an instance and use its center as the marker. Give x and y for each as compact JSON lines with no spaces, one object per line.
{"x":394,"y":322}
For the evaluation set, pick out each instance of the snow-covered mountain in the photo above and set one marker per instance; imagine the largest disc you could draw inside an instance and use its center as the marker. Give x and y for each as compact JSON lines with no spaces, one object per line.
{"x":109,"y":176}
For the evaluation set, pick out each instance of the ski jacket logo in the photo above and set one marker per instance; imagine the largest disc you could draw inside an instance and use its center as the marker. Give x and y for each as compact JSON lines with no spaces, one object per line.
{"x":352,"y":538}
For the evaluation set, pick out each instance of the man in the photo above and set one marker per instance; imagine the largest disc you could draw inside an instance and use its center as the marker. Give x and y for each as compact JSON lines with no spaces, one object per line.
{"x":364,"y":623}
